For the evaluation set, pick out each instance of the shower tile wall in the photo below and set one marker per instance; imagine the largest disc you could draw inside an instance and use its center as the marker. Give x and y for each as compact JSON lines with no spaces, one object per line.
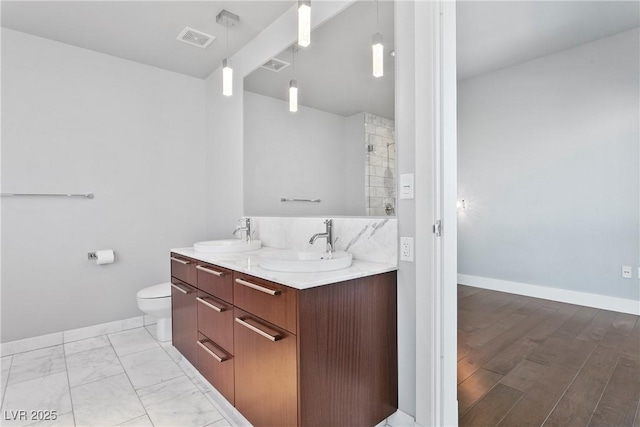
{"x":380,"y":168}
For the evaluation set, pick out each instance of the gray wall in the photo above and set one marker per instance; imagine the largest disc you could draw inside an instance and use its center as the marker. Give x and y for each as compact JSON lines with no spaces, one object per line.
{"x":549,"y":168}
{"x":406,"y":47}
{"x":295,"y":155}
{"x":355,"y":159}
{"x":79,"y":121}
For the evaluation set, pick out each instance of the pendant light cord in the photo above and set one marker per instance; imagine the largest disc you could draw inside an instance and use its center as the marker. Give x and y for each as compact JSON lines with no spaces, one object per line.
{"x":377,"y":16}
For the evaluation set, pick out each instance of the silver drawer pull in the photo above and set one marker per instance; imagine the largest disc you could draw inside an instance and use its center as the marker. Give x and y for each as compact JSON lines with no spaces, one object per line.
{"x":208,"y":350}
{"x":210,"y":305}
{"x":258,"y":287}
{"x":178,"y":288}
{"x":181,"y":261}
{"x":208,"y":270}
{"x":259,"y":331}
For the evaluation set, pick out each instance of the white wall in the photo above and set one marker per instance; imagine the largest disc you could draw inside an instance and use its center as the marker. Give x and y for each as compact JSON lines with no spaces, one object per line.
{"x":406,"y":209}
{"x":355,"y":161}
{"x":549,"y":169}
{"x":223,"y":155}
{"x":225,"y":181}
{"x":79,"y":121}
{"x":294,"y":155}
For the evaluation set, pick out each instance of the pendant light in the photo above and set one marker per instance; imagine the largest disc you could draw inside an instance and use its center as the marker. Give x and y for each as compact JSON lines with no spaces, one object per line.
{"x":304,"y":23}
{"x":377,"y":49}
{"x":293,"y":96}
{"x":227,"y":19}
{"x":293,"y":83}
{"x":227,"y":78}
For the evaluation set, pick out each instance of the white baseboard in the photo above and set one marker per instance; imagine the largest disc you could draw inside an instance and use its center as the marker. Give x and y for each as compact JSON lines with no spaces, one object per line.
{"x":57,"y":338}
{"x":603,"y":302}
{"x":401,"y":419}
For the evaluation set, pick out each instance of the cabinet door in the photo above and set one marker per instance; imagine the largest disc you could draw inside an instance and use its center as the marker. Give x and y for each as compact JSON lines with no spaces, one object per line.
{"x":215,"y":320}
{"x":215,"y":281}
{"x":216,"y":365}
{"x":184,"y":313}
{"x":265,"y":372}
{"x":270,"y":301}
{"x":183,"y":268}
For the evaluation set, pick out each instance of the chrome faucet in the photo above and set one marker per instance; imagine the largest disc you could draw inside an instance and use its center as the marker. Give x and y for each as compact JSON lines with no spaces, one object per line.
{"x":246,"y":228}
{"x":328,"y":234}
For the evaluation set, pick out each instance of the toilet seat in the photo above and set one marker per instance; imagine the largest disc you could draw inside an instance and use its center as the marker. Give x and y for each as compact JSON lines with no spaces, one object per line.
{"x":162,"y":290}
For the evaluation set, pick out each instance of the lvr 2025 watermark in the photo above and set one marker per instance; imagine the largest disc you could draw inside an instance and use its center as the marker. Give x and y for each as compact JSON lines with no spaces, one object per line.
{"x":30,"y":415}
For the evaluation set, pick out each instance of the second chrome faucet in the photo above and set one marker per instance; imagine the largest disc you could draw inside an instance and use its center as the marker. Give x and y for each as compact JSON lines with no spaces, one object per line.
{"x":328,"y":234}
{"x":246,"y":228}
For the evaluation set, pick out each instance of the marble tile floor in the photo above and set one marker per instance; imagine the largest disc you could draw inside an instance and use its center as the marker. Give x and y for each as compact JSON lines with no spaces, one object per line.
{"x":120,"y":379}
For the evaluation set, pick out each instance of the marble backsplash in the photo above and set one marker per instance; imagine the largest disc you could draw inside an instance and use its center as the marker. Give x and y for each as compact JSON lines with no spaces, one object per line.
{"x":368,"y":239}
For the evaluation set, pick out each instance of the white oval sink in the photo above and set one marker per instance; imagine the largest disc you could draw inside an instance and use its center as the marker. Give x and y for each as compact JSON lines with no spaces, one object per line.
{"x":226,"y":246}
{"x":304,"y":261}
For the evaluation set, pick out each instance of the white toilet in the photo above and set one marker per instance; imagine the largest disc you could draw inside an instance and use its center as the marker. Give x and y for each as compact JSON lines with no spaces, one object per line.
{"x":156,"y":301}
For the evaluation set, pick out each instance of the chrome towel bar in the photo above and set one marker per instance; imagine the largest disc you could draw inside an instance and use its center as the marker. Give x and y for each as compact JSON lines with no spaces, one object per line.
{"x":86,"y":196}
{"x":286,"y":199}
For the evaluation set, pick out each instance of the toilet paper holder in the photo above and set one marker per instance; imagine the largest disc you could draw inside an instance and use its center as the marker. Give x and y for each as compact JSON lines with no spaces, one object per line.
{"x":94,"y":256}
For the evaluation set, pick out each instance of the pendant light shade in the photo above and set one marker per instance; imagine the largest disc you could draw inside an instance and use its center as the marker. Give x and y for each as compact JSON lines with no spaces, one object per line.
{"x":304,"y":23}
{"x":229,"y":20}
{"x":227,"y":78}
{"x":293,"y":96}
{"x":377,"y":50}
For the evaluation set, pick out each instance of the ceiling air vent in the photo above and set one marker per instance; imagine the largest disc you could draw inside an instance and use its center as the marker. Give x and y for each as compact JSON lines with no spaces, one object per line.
{"x":195,"y":37}
{"x":275,"y":65}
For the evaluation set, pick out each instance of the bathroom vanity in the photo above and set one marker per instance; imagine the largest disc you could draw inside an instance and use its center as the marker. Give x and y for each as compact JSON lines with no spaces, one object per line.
{"x":289,"y":349}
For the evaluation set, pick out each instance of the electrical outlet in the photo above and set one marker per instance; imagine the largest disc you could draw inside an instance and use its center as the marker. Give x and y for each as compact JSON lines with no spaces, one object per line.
{"x":406,"y":249}
{"x":626,"y":272}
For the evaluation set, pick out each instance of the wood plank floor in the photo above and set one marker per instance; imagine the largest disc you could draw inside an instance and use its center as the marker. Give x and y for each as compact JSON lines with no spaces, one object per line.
{"x":530,"y":362}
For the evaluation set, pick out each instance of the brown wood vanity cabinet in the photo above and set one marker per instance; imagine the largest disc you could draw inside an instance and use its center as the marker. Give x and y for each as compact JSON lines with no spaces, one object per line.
{"x":184,"y":322}
{"x":287,"y":357}
{"x":266,"y":351}
{"x":215,"y":343}
{"x":315,"y":357}
{"x":215,"y":328}
{"x":216,"y":281}
{"x":184,"y":269}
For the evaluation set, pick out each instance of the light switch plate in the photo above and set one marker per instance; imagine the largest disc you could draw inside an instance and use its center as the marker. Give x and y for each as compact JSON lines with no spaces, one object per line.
{"x":406,"y":186}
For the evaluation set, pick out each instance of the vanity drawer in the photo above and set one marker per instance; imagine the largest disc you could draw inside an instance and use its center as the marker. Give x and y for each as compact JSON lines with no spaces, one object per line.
{"x":266,"y":373}
{"x":215,"y":320}
{"x":270,"y":301}
{"x":183,"y":268}
{"x":216,"y":281}
{"x":184,"y":319}
{"x":216,"y":365}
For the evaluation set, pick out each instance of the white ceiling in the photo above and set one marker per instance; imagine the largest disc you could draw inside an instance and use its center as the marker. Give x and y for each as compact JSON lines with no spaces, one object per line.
{"x":491,"y":36}
{"x":145,"y":31}
{"x":498,"y":34}
{"x":334,"y":73}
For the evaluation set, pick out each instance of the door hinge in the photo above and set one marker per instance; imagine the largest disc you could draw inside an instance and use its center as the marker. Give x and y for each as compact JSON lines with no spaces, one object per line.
{"x":437,"y":228}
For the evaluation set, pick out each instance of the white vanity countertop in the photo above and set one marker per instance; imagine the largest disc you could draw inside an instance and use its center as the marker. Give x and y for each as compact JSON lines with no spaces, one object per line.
{"x":247,"y":262}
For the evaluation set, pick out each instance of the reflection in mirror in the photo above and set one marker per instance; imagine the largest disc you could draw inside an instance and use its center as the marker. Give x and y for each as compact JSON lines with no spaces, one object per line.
{"x":339,"y":147}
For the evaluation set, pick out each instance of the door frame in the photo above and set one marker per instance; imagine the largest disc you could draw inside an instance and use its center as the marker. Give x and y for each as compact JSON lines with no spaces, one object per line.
{"x":436,"y":347}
